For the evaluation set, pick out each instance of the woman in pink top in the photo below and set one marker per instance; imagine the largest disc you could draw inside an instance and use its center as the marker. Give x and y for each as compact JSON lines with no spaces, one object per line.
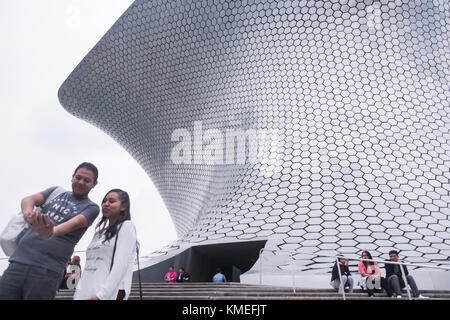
{"x":170,"y":276}
{"x":368,"y":269}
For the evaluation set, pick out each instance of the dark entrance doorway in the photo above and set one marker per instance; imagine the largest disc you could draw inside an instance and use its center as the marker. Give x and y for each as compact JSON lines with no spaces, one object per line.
{"x":232,"y":258}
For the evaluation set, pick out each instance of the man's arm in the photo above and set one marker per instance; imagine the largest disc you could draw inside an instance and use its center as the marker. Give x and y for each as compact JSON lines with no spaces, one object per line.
{"x":49,"y":230}
{"x":28,"y":203}
{"x":77,"y":222}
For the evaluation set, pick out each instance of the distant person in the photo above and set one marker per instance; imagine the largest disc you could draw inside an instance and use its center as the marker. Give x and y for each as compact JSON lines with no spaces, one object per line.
{"x":347,"y":279}
{"x":219,"y":277}
{"x":76,"y":268}
{"x":76,"y":261}
{"x":369,"y":271}
{"x":170,"y":276}
{"x":63,"y":284}
{"x":395,"y":278}
{"x":111,"y":254}
{"x":72,"y":272}
{"x":37,"y":265}
{"x":183,"y":276}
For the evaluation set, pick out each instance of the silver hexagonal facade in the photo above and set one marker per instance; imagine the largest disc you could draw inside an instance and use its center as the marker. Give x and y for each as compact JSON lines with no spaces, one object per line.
{"x":358,"y":91}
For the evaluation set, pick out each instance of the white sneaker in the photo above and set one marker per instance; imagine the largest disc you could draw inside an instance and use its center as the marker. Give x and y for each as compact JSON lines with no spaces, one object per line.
{"x":399,"y":297}
{"x":422,"y":297}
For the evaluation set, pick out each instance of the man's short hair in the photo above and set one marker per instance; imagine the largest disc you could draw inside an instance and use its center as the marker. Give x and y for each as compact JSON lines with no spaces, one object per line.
{"x":393,"y":252}
{"x":89,"y":166}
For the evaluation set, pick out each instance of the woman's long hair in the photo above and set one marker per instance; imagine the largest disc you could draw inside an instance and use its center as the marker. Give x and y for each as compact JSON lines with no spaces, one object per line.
{"x":367,"y":263}
{"x":112,"y":230}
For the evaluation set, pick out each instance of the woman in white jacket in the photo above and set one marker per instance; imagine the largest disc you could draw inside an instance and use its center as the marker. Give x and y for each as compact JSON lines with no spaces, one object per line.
{"x":111,"y":253}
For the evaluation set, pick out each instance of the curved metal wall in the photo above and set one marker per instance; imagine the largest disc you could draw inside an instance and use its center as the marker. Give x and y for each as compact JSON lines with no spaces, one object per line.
{"x":359,"y":94}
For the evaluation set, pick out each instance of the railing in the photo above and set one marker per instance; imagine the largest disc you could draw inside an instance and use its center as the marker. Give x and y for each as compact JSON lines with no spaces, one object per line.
{"x":336,"y":258}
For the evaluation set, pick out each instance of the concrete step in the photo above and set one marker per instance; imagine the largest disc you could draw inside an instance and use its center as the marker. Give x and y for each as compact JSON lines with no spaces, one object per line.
{"x":237,"y":291}
{"x":233,"y":285}
{"x":250,"y":288}
{"x":339,"y":297}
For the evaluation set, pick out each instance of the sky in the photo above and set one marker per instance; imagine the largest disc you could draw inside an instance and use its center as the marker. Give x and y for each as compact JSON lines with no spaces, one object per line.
{"x":41,"y":144}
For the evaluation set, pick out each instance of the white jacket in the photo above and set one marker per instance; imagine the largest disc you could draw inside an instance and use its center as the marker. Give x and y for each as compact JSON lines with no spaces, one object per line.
{"x":96,"y":279}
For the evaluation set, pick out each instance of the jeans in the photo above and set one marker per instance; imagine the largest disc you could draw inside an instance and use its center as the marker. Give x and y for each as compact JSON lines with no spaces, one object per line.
{"x":25,"y":282}
{"x":394,"y":284}
{"x":348,"y":282}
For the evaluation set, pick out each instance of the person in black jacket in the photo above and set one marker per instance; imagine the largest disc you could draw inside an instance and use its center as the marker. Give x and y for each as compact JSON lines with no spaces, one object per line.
{"x":183,"y":276}
{"x":395,"y":279}
{"x":345,"y":274}
{"x":63,"y":284}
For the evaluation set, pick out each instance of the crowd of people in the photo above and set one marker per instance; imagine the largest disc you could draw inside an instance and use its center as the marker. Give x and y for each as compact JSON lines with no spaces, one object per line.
{"x":371,"y":279}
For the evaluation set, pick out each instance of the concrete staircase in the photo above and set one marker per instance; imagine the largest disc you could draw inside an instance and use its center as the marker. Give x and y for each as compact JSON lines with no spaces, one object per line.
{"x":238,"y":291}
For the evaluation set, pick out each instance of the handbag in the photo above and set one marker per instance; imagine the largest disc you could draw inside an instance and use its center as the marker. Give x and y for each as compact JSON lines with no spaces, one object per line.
{"x":16,"y":227}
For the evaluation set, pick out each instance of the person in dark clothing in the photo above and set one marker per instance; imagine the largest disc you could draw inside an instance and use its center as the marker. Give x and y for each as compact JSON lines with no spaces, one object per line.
{"x":395,"y":279}
{"x":63,"y":284}
{"x":345,"y":275}
{"x":183,"y":276}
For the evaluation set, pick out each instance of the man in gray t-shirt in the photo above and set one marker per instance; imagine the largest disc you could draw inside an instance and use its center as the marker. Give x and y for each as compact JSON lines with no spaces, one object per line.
{"x":37,"y":265}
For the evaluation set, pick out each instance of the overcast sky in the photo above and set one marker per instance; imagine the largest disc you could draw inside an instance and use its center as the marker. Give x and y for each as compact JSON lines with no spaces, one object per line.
{"x":41,"y":144}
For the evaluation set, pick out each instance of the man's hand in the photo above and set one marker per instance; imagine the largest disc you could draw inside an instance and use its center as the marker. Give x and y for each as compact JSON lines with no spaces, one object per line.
{"x":36,"y":222}
{"x":27,"y":215}
{"x":31,"y":217}
{"x":94,"y":298}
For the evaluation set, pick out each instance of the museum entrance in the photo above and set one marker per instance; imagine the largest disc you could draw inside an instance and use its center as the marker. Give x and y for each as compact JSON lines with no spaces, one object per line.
{"x":201,"y":262}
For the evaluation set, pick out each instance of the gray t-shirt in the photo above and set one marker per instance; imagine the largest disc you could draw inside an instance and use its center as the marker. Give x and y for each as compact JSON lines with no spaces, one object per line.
{"x":53,"y":253}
